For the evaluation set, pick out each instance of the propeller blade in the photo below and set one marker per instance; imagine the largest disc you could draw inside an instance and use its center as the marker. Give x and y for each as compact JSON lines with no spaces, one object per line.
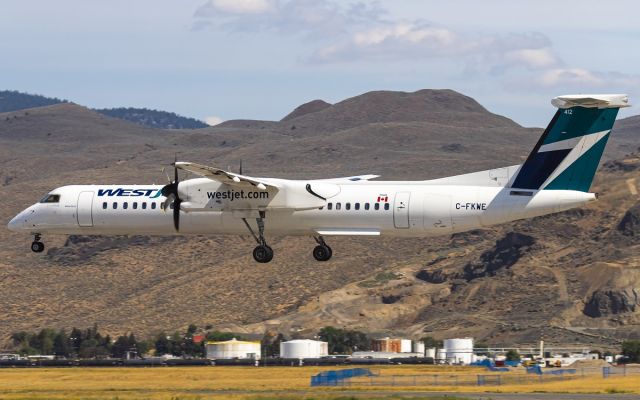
{"x":164,"y":171}
{"x":170,"y":198}
{"x":170,"y":192}
{"x":176,"y":214}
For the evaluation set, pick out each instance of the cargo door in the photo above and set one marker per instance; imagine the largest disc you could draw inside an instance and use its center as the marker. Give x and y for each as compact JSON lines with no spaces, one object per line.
{"x":401,"y":210}
{"x":437,"y":213}
{"x":84,"y":210}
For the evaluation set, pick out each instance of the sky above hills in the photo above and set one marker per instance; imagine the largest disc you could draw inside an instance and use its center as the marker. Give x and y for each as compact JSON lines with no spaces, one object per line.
{"x":259,"y":59}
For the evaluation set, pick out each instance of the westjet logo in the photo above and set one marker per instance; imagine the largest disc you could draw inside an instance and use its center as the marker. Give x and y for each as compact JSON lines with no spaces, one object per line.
{"x":130,"y":192}
{"x":236,"y":195}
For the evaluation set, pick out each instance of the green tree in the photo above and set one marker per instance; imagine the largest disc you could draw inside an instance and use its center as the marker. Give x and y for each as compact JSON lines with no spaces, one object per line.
{"x":430,"y":342}
{"x":120,"y":347}
{"x":163,"y":345}
{"x":631,"y":350}
{"x":176,"y":340}
{"x":217,"y":336}
{"x":61,"y":344}
{"x":271,"y":343}
{"x":481,"y":345}
{"x":343,"y":341}
{"x":512,"y":355}
{"x":189,"y":348}
{"x":143,"y":347}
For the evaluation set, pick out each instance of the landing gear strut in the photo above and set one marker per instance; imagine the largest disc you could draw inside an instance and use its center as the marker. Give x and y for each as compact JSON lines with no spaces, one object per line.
{"x":322,"y":252}
{"x":262,"y":253}
{"x":37,"y":246}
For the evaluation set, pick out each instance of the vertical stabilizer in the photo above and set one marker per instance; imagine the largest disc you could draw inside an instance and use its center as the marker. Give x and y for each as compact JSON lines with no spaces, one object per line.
{"x":568,"y":152}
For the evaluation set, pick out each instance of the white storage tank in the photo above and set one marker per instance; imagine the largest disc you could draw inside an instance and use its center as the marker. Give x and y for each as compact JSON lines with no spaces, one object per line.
{"x":233,"y":349}
{"x":406,"y":345}
{"x":441,"y":355}
{"x":418,"y":347}
{"x":303,"y":348}
{"x":430,"y":352}
{"x":459,"y":351}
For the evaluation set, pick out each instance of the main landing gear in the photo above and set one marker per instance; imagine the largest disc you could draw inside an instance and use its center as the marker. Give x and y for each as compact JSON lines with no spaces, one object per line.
{"x":262,"y":253}
{"x":322,"y":252}
{"x":37,"y":246}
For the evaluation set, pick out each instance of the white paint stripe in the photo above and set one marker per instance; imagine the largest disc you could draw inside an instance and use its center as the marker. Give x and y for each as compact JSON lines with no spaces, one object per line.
{"x":585,"y":143}
{"x":561,"y":145}
{"x":632,"y":186}
{"x":567,"y":143}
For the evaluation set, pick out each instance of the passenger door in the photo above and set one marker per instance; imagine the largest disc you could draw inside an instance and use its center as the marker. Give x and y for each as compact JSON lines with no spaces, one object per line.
{"x":401,"y":210}
{"x":84,"y":210}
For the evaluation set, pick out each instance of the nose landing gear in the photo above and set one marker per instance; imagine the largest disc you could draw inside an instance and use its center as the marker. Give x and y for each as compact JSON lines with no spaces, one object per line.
{"x":37,"y":246}
{"x":322,"y":252}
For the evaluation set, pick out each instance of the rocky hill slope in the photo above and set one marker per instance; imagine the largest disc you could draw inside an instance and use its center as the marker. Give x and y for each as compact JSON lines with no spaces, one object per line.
{"x":569,"y":278}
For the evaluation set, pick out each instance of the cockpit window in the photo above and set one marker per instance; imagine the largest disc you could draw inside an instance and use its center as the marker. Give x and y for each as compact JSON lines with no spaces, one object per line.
{"x":51,"y":198}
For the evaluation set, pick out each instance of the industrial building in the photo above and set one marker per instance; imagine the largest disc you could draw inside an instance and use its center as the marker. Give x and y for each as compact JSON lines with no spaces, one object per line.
{"x":303,"y":348}
{"x":389,"y":345}
{"x":233,"y":350}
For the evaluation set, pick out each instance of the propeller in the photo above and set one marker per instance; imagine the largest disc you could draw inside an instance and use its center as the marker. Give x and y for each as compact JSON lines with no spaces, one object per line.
{"x":170,"y":191}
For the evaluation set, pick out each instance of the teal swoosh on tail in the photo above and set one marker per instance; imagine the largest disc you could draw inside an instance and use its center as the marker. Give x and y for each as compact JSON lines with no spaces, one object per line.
{"x":568,"y":153}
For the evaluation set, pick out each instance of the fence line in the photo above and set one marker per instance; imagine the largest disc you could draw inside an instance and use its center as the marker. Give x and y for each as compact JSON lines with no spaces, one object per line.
{"x":365,"y":377}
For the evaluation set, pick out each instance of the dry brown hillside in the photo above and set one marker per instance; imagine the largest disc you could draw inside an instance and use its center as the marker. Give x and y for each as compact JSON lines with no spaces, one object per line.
{"x":570,"y":277}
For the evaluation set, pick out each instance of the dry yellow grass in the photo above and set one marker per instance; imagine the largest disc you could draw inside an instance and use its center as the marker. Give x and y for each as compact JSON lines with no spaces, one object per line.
{"x":245,"y":382}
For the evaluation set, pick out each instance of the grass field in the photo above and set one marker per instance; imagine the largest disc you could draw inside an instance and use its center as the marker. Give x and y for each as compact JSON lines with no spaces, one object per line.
{"x":251,"y":383}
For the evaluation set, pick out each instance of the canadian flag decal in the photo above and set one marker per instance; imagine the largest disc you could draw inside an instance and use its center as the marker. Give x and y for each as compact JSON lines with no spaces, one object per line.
{"x":383,"y":198}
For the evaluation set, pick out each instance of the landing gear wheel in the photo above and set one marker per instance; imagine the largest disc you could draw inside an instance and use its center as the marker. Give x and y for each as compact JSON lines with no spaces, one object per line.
{"x":37,"y":247}
{"x":322,"y":252}
{"x":263,"y":254}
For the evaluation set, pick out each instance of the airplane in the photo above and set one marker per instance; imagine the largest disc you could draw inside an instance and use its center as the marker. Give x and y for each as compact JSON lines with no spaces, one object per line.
{"x":556,"y":176}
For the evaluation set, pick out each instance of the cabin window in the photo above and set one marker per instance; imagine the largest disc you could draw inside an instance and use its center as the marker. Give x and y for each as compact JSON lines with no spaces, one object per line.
{"x":115,"y":205}
{"x":144,"y":205}
{"x":51,"y":198}
{"x":329,"y":206}
{"x":104,"y":205}
{"x":357,"y":206}
{"x":338,"y":206}
{"x":366,"y":206}
{"x":347,"y":206}
{"x":386,"y":206}
{"x":153,"y":206}
{"x":135,"y":205}
{"x":125,"y":205}
{"x":376,"y":206}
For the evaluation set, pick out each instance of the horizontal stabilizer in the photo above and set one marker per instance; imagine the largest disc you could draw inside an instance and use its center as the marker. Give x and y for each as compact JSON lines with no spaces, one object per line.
{"x":591,"y":101}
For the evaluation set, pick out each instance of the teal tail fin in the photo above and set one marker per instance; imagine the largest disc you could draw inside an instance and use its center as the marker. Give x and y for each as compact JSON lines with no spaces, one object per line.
{"x":568,"y":153}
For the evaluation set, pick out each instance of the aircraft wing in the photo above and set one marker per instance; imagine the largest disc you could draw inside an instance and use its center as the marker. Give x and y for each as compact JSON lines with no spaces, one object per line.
{"x":226,"y":177}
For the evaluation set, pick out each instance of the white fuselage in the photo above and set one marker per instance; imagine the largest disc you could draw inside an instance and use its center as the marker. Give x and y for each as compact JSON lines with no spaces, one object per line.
{"x":412,"y":208}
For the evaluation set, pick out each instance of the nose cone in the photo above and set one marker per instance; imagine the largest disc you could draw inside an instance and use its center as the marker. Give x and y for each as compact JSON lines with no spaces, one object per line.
{"x":16,"y":223}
